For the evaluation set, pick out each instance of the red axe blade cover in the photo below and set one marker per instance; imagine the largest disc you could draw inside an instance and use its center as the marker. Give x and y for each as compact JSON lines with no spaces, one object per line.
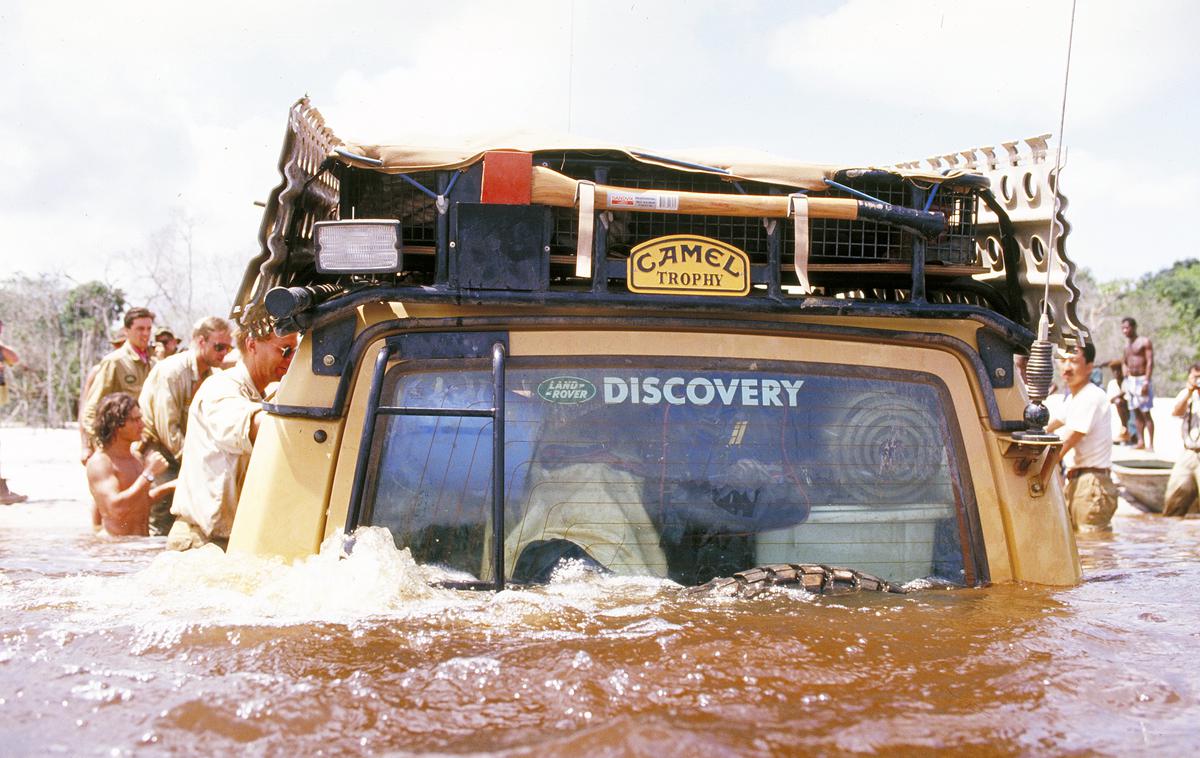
{"x":507,"y":178}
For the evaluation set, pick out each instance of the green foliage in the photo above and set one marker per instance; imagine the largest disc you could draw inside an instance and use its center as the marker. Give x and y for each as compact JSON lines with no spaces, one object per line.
{"x":58,"y":332}
{"x":90,"y":307}
{"x":1166,"y":305}
{"x":1180,"y":286}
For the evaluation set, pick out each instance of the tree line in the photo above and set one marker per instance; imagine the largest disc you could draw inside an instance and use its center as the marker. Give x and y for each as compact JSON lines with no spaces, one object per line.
{"x":59,"y":331}
{"x":1166,"y":305}
{"x":62,"y":329}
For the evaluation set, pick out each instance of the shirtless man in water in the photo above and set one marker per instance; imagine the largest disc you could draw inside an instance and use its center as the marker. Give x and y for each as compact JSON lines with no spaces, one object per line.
{"x":120,"y":480}
{"x":1139,"y":368}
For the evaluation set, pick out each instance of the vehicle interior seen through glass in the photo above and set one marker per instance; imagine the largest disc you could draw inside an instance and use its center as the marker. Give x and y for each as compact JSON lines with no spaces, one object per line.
{"x":660,"y":467}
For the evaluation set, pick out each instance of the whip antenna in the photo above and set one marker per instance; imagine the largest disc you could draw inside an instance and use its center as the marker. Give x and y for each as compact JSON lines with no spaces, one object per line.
{"x":1039,"y":370}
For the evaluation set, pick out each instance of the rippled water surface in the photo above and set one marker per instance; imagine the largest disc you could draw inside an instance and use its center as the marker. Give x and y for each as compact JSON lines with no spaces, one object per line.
{"x":117,"y":646}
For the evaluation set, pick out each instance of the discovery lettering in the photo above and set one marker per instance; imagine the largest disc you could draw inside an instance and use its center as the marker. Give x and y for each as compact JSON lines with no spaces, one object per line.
{"x":676,"y":390}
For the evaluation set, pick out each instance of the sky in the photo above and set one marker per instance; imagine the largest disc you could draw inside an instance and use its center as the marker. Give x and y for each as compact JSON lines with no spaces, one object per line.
{"x":130,"y":127}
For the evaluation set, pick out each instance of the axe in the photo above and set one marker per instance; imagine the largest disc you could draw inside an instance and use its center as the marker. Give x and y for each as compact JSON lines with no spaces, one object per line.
{"x":555,"y":189}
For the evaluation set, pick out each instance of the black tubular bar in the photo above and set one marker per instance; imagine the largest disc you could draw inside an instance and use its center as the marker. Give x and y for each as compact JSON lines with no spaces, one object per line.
{"x":918,"y":271}
{"x":498,"y":360}
{"x":368,"y":436}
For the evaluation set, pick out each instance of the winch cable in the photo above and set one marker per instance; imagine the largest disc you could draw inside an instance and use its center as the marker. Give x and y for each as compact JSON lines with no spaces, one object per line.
{"x":1039,"y":370}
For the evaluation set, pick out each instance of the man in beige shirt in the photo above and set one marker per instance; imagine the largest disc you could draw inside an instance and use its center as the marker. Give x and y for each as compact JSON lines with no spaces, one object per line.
{"x":123,"y":370}
{"x":1183,"y":488}
{"x":8,"y":357}
{"x":222,"y":425}
{"x":166,"y":396}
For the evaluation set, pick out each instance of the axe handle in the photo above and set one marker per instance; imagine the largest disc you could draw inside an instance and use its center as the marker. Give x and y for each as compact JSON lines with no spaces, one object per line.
{"x":552,"y":188}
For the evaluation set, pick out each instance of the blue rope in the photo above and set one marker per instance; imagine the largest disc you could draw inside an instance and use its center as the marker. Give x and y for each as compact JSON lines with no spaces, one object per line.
{"x":852,"y":191}
{"x":684,"y":164}
{"x":932,"y":195}
{"x":418,"y":185}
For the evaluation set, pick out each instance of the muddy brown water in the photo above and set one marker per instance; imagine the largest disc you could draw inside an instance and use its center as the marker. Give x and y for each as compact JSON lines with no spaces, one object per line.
{"x":118,"y":648}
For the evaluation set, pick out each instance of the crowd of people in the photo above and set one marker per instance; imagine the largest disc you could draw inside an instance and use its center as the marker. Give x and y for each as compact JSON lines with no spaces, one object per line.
{"x":1081,"y":415}
{"x":166,"y":433}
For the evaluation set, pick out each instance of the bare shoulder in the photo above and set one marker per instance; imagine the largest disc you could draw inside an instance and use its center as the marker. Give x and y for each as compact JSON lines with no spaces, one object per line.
{"x":99,"y":465}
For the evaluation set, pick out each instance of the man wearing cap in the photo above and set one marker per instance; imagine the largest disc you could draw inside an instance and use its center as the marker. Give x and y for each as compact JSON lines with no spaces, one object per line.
{"x":166,"y":396}
{"x":123,"y":370}
{"x":166,"y":343}
{"x":223,"y":423}
{"x":1085,"y":419}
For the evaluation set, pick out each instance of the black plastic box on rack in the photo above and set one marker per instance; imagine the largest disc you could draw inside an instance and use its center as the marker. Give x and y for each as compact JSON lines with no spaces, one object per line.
{"x":500,"y":247}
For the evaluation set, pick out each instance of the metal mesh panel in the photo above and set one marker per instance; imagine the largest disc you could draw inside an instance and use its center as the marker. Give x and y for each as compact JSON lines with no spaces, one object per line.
{"x":626,"y":229}
{"x":629,"y":229}
{"x":835,"y":241}
{"x":389,"y":196}
{"x":832,"y":241}
{"x":957,"y":245}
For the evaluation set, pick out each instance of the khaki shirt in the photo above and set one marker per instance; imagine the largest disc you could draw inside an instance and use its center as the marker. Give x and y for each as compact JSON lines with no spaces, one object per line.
{"x":216,"y":450}
{"x":4,"y":362}
{"x":165,"y":398}
{"x":122,"y":370}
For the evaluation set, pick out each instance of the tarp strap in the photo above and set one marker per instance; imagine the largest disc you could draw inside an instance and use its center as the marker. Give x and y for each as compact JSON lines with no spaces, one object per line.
{"x":799,"y":214}
{"x":932,"y":195}
{"x":442,"y":204}
{"x":585,"y":198}
{"x":418,"y":185}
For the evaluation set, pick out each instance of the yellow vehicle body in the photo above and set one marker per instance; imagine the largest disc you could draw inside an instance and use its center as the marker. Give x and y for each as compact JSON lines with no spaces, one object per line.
{"x":307,"y":469}
{"x":297,"y":489}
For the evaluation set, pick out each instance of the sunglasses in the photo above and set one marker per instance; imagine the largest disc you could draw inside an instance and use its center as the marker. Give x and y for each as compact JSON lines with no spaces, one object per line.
{"x":222,"y":347}
{"x":287,"y":351}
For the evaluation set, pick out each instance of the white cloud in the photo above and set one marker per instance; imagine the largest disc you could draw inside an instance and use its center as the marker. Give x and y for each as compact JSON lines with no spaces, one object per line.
{"x":1126,"y":219}
{"x":113,"y":119}
{"x":988,"y":59}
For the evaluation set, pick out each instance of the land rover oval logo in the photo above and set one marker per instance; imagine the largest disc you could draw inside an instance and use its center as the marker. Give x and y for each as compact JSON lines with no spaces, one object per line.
{"x":682,"y":264}
{"x":566,"y":389}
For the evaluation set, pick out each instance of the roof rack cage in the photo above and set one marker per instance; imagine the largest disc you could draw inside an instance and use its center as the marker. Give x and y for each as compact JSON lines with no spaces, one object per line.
{"x":986,"y":254}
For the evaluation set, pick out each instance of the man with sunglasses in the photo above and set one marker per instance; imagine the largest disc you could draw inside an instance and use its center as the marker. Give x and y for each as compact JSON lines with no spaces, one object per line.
{"x":222,"y":425}
{"x":165,"y":398}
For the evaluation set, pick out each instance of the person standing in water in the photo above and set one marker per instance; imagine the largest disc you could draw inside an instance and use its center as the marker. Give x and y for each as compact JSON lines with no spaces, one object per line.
{"x":123,"y":370}
{"x":1085,"y":419}
{"x":165,"y":398}
{"x":1183,"y":488}
{"x":1116,"y":396}
{"x":8,"y":358}
{"x":122,"y":482}
{"x":1139,"y":369}
{"x":223,"y":424}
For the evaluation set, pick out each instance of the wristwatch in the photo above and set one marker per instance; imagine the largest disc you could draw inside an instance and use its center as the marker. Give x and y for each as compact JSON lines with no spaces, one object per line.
{"x":148,"y":477}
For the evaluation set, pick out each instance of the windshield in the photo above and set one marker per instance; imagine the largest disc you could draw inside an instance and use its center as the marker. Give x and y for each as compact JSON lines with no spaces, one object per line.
{"x":683,"y":469}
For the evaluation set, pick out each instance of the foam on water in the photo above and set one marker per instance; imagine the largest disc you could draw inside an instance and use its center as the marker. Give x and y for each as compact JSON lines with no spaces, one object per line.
{"x":208,"y":585}
{"x":373,"y":582}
